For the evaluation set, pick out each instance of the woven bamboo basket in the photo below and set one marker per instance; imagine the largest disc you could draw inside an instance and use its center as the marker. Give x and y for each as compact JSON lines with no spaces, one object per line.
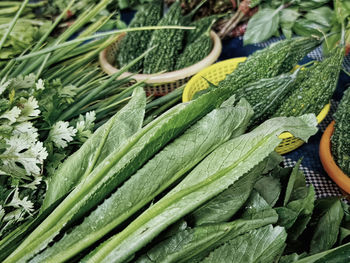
{"x":161,"y":84}
{"x":217,"y":72}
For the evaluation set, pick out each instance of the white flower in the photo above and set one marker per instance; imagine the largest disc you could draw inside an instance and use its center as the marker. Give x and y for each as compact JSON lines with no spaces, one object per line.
{"x":11,"y":115}
{"x":24,"y":203}
{"x":61,"y":134}
{"x":40,"y":85}
{"x":87,"y":123}
{"x":29,"y":109}
{"x":26,"y":127}
{"x":4,"y":86}
{"x":33,"y":185}
{"x":23,"y":150}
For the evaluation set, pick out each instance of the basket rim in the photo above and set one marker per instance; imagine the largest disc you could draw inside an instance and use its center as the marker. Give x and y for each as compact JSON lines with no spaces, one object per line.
{"x":328,"y":163}
{"x":185,"y":95}
{"x":168,"y":76}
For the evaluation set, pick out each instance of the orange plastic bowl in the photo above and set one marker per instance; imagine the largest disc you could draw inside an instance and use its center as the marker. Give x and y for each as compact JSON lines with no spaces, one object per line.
{"x":328,"y":163}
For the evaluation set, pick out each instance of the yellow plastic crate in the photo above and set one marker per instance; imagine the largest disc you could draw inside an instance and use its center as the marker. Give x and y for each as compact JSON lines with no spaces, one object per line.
{"x":217,"y":72}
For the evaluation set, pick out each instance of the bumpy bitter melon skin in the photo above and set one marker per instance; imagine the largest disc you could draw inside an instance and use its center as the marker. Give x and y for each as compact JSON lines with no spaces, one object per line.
{"x":135,"y":43}
{"x":315,"y":91}
{"x":167,"y":42}
{"x":266,"y":95}
{"x":276,"y":59}
{"x":340,"y":140}
{"x":195,"y":51}
{"x":201,"y":26}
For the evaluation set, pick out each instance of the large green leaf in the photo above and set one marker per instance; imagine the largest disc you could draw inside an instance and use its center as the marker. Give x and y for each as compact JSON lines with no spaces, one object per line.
{"x":265,"y":244}
{"x":288,"y":18}
{"x":327,"y":229}
{"x":160,"y":172}
{"x":312,"y":4}
{"x":296,"y":180}
{"x":342,"y":10}
{"x":296,"y":214}
{"x":256,"y":204}
{"x":193,"y":244}
{"x":339,"y":254}
{"x":116,"y":168}
{"x":213,"y":175}
{"x":323,"y":15}
{"x":116,"y":132}
{"x":225,"y":205}
{"x":344,"y":233}
{"x":261,"y":26}
{"x":270,"y":188}
{"x":307,"y":28}
{"x":298,"y":204}
{"x":291,"y":258}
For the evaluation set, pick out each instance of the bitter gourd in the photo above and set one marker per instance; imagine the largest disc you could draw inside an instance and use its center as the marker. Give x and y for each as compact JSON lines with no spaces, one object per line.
{"x":135,"y":43}
{"x":312,"y":94}
{"x":276,"y":59}
{"x":266,"y":95}
{"x":201,"y":26}
{"x":341,"y":135}
{"x":167,"y":42}
{"x":195,"y":51}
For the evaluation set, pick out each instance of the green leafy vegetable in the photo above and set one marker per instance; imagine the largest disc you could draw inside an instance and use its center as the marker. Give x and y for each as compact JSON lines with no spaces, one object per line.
{"x":116,"y":168}
{"x":105,"y":140}
{"x":298,"y":205}
{"x":312,"y":4}
{"x":212,"y":176}
{"x":262,"y":26}
{"x":288,"y":18}
{"x":306,"y":28}
{"x":323,"y":16}
{"x":160,"y":172}
{"x":265,"y":244}
{"x":335,"y":255}
{"x":269,"y":188}
{"x":225,"y":205}
{"x":192,"y":244}
{"x":327,"y":229}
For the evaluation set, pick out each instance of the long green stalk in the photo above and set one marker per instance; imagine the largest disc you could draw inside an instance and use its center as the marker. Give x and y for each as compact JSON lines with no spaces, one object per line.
{"x":13,"y":22}
{"x":115,"y":100}
{"x":66,"y":74}
{"x":79,"y":23}
{"x":74,"y":109}
{"x":53,"y":26}
{"x":90,"y":30}
{"x":100,"y":35}
{"x":164,"y":99}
